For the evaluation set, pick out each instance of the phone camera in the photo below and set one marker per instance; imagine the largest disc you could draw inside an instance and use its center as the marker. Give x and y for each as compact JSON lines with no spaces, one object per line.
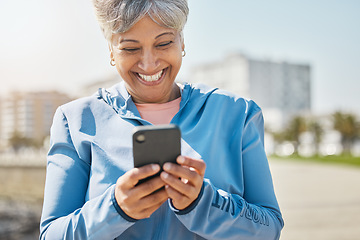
{"x":140,"y":138}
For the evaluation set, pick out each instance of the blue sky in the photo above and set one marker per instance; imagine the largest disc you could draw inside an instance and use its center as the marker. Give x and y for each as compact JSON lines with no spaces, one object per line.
{"x":48,"y":44}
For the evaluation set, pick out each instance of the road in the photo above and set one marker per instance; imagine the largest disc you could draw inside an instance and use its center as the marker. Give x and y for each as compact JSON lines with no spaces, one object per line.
{"x":318,"y":201}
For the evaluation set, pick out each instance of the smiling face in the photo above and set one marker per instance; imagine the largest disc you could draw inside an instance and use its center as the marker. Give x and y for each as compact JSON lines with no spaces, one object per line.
{"x":148,"y":58}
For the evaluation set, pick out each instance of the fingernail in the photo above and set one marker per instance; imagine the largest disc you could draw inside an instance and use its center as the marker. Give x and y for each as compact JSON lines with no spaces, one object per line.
{"x":166,"y":166}
{"x":181,"y":159}
{"x":165,"y":175}
{"x":155,"y":167}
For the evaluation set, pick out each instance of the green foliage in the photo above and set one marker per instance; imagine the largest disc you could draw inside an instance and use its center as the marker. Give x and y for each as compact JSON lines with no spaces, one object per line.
{"x":345,"y":123}
{"x":348,"y":126}
{"x":17,"y":141}
{"x":344,"y":159}
{"x":296,"y":126}
{"x":316,"y":129}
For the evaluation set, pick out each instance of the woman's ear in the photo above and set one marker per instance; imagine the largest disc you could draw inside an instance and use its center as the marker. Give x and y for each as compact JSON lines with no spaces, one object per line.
{"x":111,"y":51}
{"x":112,"y":60}
{"x":181,"y":34}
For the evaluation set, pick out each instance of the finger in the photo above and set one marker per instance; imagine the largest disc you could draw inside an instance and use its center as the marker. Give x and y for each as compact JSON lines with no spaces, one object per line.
{"x":153,"y":199}
{"x":184,"y":172}
{"x":146,"y":213}
{"x":133,"y":176}
{"x":148,"y":206}
{"x":134,"y":201}
{"x":198,"y":164}
{"x":148,"y":187}
{"x":177,"y":198}
{"x":177,"y":184}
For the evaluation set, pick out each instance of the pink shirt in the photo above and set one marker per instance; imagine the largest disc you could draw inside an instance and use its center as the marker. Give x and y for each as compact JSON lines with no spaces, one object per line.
{"x":159,"y":113}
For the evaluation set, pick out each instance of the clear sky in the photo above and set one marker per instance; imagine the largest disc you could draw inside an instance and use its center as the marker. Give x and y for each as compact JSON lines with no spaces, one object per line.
{"x":52,"y":44}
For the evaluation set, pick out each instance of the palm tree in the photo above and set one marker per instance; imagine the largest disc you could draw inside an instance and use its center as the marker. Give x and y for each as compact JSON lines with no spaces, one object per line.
{"x":349,"y":128}
{"x":296,"y":127}
{"x":315,"y":128}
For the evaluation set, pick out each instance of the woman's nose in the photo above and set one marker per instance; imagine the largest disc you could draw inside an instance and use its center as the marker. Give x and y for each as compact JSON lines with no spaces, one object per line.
{"x":149,"y":62}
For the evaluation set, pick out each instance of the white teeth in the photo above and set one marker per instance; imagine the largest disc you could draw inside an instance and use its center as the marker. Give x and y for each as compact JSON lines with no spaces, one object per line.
{"x":151,"y":78}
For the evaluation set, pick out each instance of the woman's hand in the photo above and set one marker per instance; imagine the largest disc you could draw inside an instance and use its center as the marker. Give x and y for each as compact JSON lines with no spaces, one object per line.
{"x":140,"y":201}
{"x":183,"y":181}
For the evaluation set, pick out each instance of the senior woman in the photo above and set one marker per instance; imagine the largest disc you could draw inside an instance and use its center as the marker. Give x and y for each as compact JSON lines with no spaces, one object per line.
{"x":222,"y":187}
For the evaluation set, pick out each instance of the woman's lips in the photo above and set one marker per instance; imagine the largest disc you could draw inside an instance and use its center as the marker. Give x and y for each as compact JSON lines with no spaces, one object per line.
{"x":152,"y":79}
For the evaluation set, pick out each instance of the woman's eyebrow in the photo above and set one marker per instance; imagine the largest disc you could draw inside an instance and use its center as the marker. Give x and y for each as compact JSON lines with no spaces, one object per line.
{"x":136,"y":41}
{"x":128,"y":40}
{"x":165,"y":33}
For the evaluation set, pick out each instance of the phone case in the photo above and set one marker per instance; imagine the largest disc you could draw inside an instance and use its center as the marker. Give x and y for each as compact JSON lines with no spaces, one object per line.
{"x":156,"y":144}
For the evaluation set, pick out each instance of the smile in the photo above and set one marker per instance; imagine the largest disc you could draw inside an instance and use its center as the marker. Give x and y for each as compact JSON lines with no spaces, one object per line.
{"x":151,"y":78}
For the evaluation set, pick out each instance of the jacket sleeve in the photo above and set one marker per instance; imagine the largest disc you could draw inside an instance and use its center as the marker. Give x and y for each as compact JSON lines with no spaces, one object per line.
{"x":66,"y":214}
{"x":218,"y":214}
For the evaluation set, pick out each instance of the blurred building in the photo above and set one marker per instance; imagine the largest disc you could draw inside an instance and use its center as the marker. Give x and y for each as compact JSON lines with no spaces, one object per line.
{"x":28,"y":114}
{"x":281,"y":89}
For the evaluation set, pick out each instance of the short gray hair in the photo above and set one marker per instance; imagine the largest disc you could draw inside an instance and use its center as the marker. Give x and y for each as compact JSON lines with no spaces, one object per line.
{"x":118,"y":16}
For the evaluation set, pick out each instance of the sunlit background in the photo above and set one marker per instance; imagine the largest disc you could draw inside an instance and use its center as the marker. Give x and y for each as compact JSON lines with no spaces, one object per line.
{"x":305,"y":52}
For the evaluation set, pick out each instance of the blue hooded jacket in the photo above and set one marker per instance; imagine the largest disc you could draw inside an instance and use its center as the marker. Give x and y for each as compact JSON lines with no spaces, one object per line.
{"x":91,"y":148}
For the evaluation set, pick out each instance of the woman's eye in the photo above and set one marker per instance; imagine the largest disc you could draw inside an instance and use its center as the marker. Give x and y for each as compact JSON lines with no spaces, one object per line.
{"x":165,"y":44}
{"x":130,"y":50}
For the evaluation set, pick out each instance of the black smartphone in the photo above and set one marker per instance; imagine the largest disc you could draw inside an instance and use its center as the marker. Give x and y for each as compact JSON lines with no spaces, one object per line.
{"x":156,"y":144}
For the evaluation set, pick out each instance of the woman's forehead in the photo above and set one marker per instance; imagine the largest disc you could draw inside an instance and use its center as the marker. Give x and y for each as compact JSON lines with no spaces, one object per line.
{"x":145,"y":28}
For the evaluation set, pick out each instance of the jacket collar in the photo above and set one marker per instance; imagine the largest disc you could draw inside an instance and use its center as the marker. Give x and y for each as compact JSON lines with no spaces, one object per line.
{"x":120,"y":100}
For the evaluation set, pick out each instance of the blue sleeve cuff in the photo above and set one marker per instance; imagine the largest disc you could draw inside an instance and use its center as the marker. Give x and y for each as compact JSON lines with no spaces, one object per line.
{"x":190,"y":207}
{"x":119,"y":210}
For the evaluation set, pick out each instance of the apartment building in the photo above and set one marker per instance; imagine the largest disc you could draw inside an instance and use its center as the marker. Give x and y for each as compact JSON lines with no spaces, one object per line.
{"x":282,"y":89}
{"x":28,"y":114}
